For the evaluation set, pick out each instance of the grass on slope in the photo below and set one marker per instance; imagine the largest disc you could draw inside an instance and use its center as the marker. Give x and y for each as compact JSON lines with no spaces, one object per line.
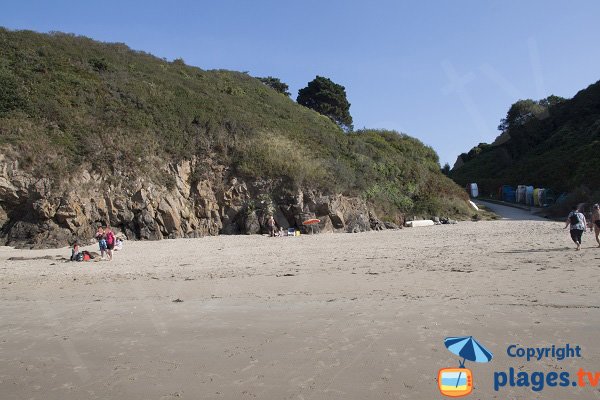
{"x":68,"y":101}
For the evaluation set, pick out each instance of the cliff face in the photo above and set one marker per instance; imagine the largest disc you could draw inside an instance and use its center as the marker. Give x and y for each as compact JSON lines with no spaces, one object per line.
{"x":36,"y":213}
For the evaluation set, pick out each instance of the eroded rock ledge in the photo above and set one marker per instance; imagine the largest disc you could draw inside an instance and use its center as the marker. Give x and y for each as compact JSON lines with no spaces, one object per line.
{"x":36,"y":213}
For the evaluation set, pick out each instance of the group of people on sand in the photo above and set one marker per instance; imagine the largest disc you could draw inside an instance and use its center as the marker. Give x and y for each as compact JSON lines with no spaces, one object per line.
{"x":108,"y":242}
{"x":578,"y":225}
{"x":273,"y":230}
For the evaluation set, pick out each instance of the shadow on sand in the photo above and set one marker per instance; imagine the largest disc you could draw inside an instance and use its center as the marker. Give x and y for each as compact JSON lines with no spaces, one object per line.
{"x":534,"y":250}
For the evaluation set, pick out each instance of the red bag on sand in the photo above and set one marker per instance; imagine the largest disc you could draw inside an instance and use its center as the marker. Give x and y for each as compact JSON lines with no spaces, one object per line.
{"x":86,"y":257}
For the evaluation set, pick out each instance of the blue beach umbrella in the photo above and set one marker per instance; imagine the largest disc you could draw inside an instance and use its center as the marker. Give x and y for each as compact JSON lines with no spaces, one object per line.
{"x":469,"y":349}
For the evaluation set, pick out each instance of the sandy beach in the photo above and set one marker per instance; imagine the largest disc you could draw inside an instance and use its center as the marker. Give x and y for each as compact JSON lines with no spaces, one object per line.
{"x":332,"y":316}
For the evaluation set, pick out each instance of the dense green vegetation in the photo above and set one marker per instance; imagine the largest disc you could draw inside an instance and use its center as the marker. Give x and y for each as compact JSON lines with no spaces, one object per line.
{"x":68,"y":102}
{"x":328,"y":98}
{"x":551,"y":143}
{"x":275,"y":83}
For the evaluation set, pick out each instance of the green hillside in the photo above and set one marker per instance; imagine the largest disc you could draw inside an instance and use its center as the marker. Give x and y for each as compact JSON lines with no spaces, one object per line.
{"x":68,"y":102}
{"x":555,"y":146}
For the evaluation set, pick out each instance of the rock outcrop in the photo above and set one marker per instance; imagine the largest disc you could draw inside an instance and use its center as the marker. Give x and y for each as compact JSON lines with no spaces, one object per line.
{"x":39,"y":213}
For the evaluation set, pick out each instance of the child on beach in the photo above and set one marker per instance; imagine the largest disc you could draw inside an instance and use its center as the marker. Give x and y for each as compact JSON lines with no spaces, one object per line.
{"x":101,"y":238}
{"x":75,"y":253}
{"x":576,"y":221}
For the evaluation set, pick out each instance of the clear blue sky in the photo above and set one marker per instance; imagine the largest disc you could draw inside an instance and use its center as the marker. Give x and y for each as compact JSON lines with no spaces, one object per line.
{"x":442,"y":71}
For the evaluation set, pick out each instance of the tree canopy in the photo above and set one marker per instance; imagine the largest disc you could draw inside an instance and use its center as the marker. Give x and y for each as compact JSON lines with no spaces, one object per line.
{"x":519,"y":113}
{"x":327,"y":98}
{"x":524,"y":110}
{"x":446,"y":169}
{"x":276,"y":84}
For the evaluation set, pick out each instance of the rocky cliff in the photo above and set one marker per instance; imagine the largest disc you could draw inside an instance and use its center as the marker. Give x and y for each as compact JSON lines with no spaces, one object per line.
{"x":34,"y":212}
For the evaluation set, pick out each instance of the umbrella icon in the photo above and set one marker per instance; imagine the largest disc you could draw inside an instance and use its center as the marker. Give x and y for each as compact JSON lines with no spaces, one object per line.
{"x":469,"y":349}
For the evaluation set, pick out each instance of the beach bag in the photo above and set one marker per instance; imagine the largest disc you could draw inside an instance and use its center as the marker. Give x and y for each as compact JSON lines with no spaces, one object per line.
{"x":85,"y":256}
{"x":574,"y":219}
{"x":110,"y":238}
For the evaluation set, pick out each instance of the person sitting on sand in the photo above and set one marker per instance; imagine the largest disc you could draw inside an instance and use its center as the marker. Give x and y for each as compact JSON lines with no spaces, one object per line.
{"x":576,"y":221}
{"x":118,"y":244}
{"x":75,"y":252}
{"x":101,"y":238}
{"x":596,"y":222}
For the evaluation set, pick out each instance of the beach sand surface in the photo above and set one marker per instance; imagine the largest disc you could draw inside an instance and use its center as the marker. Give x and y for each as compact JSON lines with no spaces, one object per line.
{"x":331,"y":316}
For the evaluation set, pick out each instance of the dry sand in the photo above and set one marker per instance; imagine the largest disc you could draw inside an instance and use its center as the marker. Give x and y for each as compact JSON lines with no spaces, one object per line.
{"x":345,"y":316}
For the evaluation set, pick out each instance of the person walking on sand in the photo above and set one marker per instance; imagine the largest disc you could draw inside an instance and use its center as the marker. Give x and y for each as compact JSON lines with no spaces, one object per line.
{"x":110,"y":242}
{"x":101,"y":238}
{"x":576,"y":221}
{"x":596,"y":222}
{"x":272,"y":225}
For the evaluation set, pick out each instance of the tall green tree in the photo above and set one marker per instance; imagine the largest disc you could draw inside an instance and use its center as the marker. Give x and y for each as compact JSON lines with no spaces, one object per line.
{"x":524,"y":110}
{"x":276,"y":84}
{"x":519,"y":113}
{"x":328,"y":98}
{"x":551,"y":101}
{"x":446,"y":169}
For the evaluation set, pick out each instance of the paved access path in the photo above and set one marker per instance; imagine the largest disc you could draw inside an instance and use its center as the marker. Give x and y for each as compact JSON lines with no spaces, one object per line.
{"x":511,"y":213}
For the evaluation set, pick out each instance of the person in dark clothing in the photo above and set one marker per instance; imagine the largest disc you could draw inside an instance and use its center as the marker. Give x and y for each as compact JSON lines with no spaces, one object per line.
{"x":596,"y":222}
{"x":576,"y":221}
